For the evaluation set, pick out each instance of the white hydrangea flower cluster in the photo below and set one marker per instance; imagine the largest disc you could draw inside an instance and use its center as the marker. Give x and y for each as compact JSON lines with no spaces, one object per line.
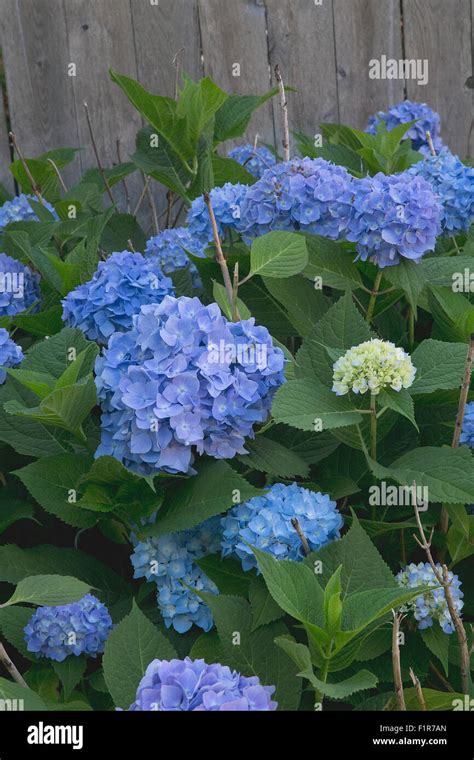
{"x":372,"y":366}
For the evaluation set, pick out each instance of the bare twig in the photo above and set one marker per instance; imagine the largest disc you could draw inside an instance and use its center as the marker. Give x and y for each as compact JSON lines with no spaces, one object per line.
{"x":11,"y":667}
{"x":439,"y":675}
{"x":58,"y":174}
{"x":142,"y":194}
{"x":220,"y":257}
{"x":31,"y":179}
{"x":419,"y":691}
{"x":396,"y":664}
{"x":444,"y":522}
{"x":429,"y":140}
{"x":235,"y":290}
{"x":124,"y":182}
{"x":304,"y":541}
{"x":154,"y":214}
{"x":130,"y":245}
{"x":443,"y":579}
{"x":96,"y":153}
{"x":176,"y":65}
{"x":175,"y":220}
{"x":284,"y":108}
{"x":169,"y":198}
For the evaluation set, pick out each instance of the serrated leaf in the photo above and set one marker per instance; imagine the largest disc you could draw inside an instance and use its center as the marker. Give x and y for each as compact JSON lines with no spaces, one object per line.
{"x":278,"y":254}
{"x":264,"y":608}
{"x":15,"y":694}
{"x":48,"y":590}
{"x":266,"y":455}
{"x":439,"y":365}
{"x":438,"y":643}
{"x":129,"y":649}
{"x":308,"y":405}
{"x":70,"y":672}
{"x":400,"y":401}
{"x":227,"y":574}
{"x":333,"y":262}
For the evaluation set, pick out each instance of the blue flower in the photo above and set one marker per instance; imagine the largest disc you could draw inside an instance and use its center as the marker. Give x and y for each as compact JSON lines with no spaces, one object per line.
{"x":255,"y":160}
{"x":453,"y":183}
{"x":393,"y":217}
{"x":19,"y":287}
{"x":306,"y":194}
{"x":170,"y":561}
{"x":432,"y":605}
{"x":10,"y":354}
{"x":120,"y":286}
{"x":265,"y":522}
{"x":183,"y":380}
{"x":70,"y":629}
{"x":193,"y":685}
{"x":401,"y":113}
{"x":467,"y":434}
{"x":171,"y":249}
{"x":226,"y":203}
{"x":19,"y":210}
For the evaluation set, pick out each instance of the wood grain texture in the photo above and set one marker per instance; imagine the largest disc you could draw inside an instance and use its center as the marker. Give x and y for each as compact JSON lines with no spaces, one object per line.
{"x":235,"y":33}
{"x":301,"y":41}
{"x":40,"y":91}
{"x":6,"y":178}
{"x":441,"y":33}
{"x":365,"y":30}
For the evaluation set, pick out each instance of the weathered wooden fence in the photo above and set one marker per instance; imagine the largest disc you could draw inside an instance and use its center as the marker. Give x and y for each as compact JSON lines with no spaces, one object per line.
{"x":323,"y":48}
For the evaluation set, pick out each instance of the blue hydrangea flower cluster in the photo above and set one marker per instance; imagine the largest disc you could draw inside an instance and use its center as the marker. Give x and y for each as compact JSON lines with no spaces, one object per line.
{"x":193,"y":685}
{"x":432,"y":605}
{"x":171,"y":249}
{"x":120,"y":286}
{"x":255,"y":160}
{"x":394,"y":217}
{"x":170,"y":561}
{"x":302,"y":194}
{"x":265,"y":522}
{"x":453,"y":183}
{"x":467,"y":433}
{"x":10,"y":354}
{"x":19,"y":210}
{"x":70,"y":629}
{"x":184,"y":380}
{"x":226,"y":204}
{"x":19,"y":286}
{"x":401,"y":113}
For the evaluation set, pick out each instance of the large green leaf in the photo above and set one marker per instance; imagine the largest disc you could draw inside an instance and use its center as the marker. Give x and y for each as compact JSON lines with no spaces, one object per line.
{"x":215,"y":488}
{"x":157,"y":159}
{"x":48,"y":590}
{"x":14,"y":694}
{"x":308,"y":405}
{"x":438,"y":365}
{"x":266,"y":455}
{"x":304,"y":304}
{"x":129,"y":649}
{"x":333,"y":262}
{"x":278,"y":254}
{"x":233,"y":116}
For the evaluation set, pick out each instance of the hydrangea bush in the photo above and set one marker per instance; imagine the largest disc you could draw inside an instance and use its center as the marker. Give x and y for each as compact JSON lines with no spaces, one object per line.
{"x":216,"y":450}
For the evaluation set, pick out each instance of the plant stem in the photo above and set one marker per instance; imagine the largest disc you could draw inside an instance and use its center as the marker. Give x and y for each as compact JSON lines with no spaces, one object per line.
{"x":444,"y":522}
{"x":304,"y":541}
{"x":411,"y":328}
{"x":284,"y":108}
{"x":220,"y":257}
{"x":322,"y":677}
{"x":419,"y":691}
{"x":396,"y":664}
{"x":11,"y":667}
{"x":373,"y":426}
{"x":373,"y":297}
{"x":97,"y":157}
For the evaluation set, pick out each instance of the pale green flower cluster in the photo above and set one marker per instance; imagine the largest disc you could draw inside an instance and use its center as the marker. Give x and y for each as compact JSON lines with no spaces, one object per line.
{"x":372,"y":366}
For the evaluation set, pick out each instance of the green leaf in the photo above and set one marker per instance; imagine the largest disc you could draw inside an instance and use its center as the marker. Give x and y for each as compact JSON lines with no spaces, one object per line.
{"x":294,"y":587}
{"x":438,"y":643}
{"x":43,"y":323}
{"x":264,"y":608}
{"x":13,"y":693}
{"x":52,"y":482}
{"x":266,"y":455}
{"x":70,"y":672}
{"x":120,"y":230}
{"x":362,"y":565}
{"x":129,"y":649}
{"x":48,"y":590}
{"x":341,"y":327}
{"x":400,"y":401}
{"x":214,"y":489}
{"x":407,"y":276}
{"x":12,"y":623}
{"x":220,"y":297}
{"x":435,"y":700}
{"x":460,"y":547}
{"x":333,"y":603}
{"x":304,"y":304}
{"x":12,"y":511}
{"x":54,"y":355}
{"x":438,"y":365}
{"x":109,"y":486}
{"x":39,"y":382}
{"x":228,"y":170}
{"x":198,"y":102}
{"x":227,"y":574}
{"x":308,"y":405}
{"x":447,"y":473}
{"x":157,"y":160}
{"x":278,"y":254}
{"x":333,"y":262}
{"x":233,"y":116}
{"x":363,"y":608}
{"x":447,"y":308}
{"x":254,"y":653}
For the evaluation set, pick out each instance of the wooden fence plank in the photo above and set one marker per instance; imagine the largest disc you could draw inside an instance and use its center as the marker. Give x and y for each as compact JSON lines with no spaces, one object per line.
{"x":100,"y":37}
{"x":441,"y":33}
{"x":234,"y":34}
{"x":6,"y":178}
{"x":301,"y":41}
{"x":40,"y":93}
{"x":366,"y":30}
